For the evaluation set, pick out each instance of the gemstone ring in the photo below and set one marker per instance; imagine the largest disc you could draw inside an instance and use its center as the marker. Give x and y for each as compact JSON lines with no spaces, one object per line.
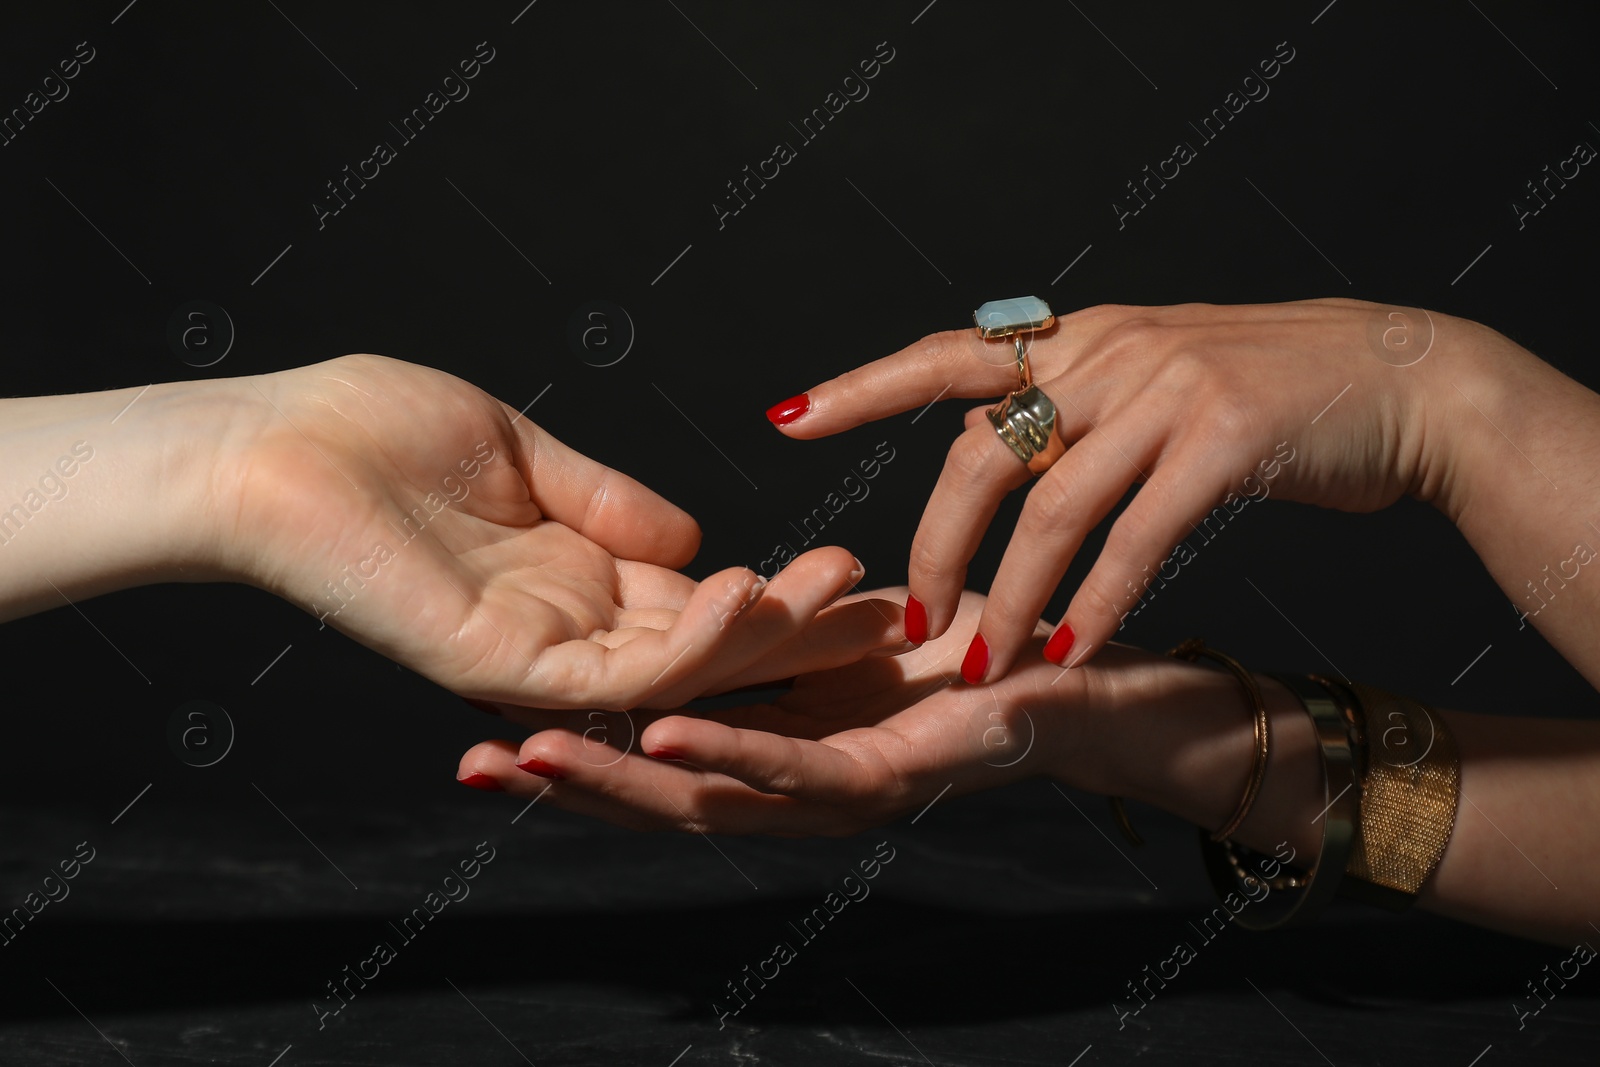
{"x":1025,"y":419}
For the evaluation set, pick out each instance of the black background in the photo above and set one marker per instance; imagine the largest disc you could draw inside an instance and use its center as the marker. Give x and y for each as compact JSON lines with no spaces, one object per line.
{"x":984,"y":161}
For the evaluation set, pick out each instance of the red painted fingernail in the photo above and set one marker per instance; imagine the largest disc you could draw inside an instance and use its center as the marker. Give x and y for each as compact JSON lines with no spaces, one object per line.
{"x":916,"y":621}
{"x":785,"y":413}
{"x":671,"y":755}
{"x":976,"y":664}
{"x":1060,"y":643}
{"x":483,"y":705}
{"x":479,"y":780}
{"x":535,"y":765}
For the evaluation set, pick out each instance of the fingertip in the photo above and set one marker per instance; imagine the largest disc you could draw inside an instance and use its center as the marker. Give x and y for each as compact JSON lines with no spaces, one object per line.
{"x":833,"y":557}
{"x":1072,"y":645}
{"x":787,"y":412}
{"x":1083,"y":650}
{"x":541,"y":768}
{"x":670,"y":740}
{"x":940,"y":618}
{"x":476,"y":768}
{"x":717,"y":603}
{"x":975,"y":665}
{"x":916,"y":620}
{"x":1060,"y":644}
{"x":548,"y":754}
{"x":485,"y":757}
{"x":1002,"y":658}
{"x":682,"y":544}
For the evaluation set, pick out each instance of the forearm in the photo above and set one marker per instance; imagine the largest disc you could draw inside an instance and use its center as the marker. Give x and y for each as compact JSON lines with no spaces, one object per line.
{"x":1525,"y":853}
{"x":1524,"y":856}
{"x":1517,"y":468}
{"x":101,"y":491}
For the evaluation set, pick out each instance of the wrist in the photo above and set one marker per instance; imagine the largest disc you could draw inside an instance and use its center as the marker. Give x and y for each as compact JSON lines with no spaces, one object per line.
{"x":1466,"y":401}
{"x":1167,"y":733}
{"x":102,"y":491}
{"x":1197,"y":747}
{"x":1293,"y":795}
{"x":205,"y":431}
{"x":1180,"y":737}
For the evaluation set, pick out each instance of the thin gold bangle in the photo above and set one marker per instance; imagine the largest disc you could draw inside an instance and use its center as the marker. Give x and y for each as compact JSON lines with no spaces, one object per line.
{"x":1339,"y":788}
{"x":1258,"y":760}
{"x":1188,"y":651}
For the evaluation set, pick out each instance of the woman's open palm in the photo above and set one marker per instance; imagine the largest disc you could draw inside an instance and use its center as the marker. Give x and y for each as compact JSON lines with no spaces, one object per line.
{"x":426,"y":519}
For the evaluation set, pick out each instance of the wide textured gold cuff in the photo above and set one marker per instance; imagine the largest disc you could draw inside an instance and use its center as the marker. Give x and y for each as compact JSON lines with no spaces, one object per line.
{"x":1410,"y":787}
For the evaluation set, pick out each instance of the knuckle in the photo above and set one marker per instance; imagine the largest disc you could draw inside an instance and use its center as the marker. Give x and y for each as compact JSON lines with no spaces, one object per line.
{"x":599,"y":502}
{"x":1011,"y":608}
{"x":943,"y":348}
{"x":689,"y":817}
{"x":786,"y":781}
{"x":1094,"y":600}
{"x":1184,"y":367}
{"x":929,"y":565}
{"x":1106,"y":313}
{"x":970,"y":458}
{"x":1229,"y":416}
{"x":882,"y":787}
{"x":1050,"y":503}
{"x":1135,"y":335}
{"x":1134,"y":530}
{"x":765,"y":771}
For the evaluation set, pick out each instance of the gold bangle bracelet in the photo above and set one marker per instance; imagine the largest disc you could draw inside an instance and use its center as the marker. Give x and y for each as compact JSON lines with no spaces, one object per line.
{"x":1188,"y":651}
{"x":1391,"y":782}
{"x":1322,"y":881}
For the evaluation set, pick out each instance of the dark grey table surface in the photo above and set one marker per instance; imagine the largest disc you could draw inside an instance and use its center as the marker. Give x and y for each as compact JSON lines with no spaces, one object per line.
{"x":1004,"y":931}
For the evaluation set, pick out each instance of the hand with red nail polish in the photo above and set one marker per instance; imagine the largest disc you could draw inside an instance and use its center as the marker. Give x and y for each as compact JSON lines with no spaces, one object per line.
{"x":849,"y":747}
{"x":1207,"y":411}
{"x":861,"y":745}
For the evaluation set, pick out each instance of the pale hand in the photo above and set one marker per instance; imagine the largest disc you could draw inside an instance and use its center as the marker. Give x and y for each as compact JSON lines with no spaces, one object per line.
{"x":424,"y":518}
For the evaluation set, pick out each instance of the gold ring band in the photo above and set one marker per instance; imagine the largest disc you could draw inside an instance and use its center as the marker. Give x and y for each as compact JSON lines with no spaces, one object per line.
{"x":1026,"y":422}
{"x":1026,"y":418}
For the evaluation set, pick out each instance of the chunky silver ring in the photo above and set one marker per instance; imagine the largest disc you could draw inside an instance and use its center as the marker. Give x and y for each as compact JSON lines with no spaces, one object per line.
{"x":1026,"y":418}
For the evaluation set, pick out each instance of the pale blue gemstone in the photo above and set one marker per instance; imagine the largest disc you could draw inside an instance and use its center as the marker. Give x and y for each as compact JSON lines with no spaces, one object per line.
{"x":1002,"y":318}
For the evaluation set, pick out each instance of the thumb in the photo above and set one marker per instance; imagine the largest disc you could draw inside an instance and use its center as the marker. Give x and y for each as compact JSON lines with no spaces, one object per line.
{"x":617,"y":513}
